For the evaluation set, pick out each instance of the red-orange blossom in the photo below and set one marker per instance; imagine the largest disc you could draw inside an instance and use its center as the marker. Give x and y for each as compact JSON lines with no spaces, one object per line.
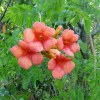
{"x":43,"y":40}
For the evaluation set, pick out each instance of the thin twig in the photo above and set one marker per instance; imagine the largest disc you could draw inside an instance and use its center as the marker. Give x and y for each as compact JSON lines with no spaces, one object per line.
{"x":93,"y":52}
{"x":96,"y":29}
{"x":5,"y":11}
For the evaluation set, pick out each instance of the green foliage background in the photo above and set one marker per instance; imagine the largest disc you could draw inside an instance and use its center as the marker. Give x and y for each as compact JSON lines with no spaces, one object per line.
{"x":37,"y":82}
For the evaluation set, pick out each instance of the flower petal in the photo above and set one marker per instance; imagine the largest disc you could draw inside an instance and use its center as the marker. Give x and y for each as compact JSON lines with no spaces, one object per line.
{"x":74,"y":47}
{"x":38,"y":27}
{"x":28,"y":35}
{"x":67,"y":34}
{"x":23,"y":44}
{"x":50,"y":43}
{"x":16,"y":51}
{"x":48,"y":32}
{"x":51,"y":64}
{"x":68,"y":52}
{"x":37,"y":58}
{"x":75,"y":38}
{"x":62,"y":57}
{"x":68,"y":67}
{"x":60,"y":44}
{"x":36,"y":46}
{"x":57,"y":73}
{"x":25,"y":62}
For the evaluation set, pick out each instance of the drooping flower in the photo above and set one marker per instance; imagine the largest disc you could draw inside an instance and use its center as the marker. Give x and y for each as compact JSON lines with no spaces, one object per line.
{"x":25,"y":55}
{"x":60,"y":66}
{"x":67,"y":42}
{"x":43,"y":34}
{"x":40,"y":38}
{"x":28,"y":35}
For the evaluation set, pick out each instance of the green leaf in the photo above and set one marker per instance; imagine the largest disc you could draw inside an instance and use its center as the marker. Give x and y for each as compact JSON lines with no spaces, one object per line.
{"x":87,"y":25}
{"x":26,"y":81}
{"x":83,"y":46}
{"x":59,"y":84}
{"x":75,"y":20}
{"x":19,"y":15}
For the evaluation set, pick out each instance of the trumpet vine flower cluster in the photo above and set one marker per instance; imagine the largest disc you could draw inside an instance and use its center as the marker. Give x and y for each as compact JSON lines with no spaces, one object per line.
{"x":43,"y":41}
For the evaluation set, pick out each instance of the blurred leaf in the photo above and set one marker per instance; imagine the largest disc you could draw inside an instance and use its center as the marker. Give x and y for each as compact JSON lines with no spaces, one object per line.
{"x":83,"y":46}
{"x":87,"y":26}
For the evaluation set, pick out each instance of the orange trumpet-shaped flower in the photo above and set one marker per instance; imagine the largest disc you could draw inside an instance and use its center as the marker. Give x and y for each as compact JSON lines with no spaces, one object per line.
{"x":67,"y":42}
{"x":40,"y":37}
{"x":43,"y":34}
{"x":60,"y":66}
{"x":25,"y":55}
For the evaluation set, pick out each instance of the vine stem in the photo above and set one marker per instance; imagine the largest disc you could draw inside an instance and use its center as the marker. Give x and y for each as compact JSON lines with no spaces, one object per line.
{"x":93,"y":52}
{"x":13,"y":97}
